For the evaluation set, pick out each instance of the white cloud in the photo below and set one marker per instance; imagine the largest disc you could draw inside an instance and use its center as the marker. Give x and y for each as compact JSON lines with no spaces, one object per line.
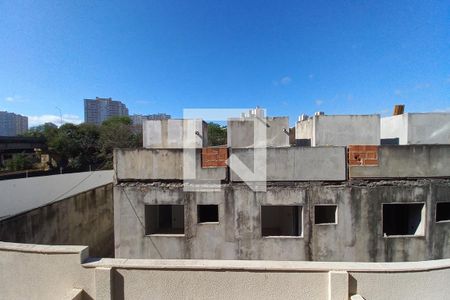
{"x":319,"y":102}
{"x":12,"y":99}
{"x":66,"y":118}
{"x":422,"y":86}
{"x":399,"y":93}
{"x":145,"y":102}
{"x":286,"y":80}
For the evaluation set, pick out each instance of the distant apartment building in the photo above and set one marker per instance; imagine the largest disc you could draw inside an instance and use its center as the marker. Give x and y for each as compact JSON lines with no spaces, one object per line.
{"x":12,"y":124}
{"x":139,"y":119}
{"x":100,"y":109}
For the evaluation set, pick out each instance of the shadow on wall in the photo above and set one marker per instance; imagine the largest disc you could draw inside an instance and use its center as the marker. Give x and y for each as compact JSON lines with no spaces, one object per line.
{"x":83,"y":219}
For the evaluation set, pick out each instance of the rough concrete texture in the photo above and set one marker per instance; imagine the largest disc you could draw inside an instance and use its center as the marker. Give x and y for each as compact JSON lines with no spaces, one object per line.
{"x":240,"y":132}
{"x":162,"y":164}
{"x":54,"y":272}
{"x":83,"y":219}
{"x":171,"y":133}
{"x":340,"y":130}
{"x":304,"y":129}
{"x":417,"y":128}
{"x":294,"y":163}
{"x":357,"y":236}
{"x":409,"y":161}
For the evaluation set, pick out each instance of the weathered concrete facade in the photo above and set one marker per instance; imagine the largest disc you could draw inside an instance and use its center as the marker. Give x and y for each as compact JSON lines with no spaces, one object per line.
{"x":340,"y":130}
{"x":357,"y":233}
{"x":162,"y":164}
{"x":417,"y":128}
{"x":82,"y":219}
{"x":173,"y":133}
{"x":240,"y":132}
{"x":408,"y":161}
{"x":294,"y":163}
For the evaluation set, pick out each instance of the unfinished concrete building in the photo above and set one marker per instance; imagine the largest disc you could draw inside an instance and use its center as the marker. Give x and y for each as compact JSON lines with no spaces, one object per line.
{"x":417,"y":128}
{"x":338,"y":130}
{"x":323,"y":203}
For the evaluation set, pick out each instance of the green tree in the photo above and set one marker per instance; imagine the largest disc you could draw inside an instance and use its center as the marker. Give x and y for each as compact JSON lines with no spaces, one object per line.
{"x":88,"y":139}
{"x":64,"y":145}
{"x":116,"y":132}
{"x":19,"y":162}
{"x":217,"y":134}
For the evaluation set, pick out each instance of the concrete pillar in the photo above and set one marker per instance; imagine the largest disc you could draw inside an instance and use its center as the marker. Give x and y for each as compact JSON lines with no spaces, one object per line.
{"x":338,"y":285}
{"x":103,"y":283}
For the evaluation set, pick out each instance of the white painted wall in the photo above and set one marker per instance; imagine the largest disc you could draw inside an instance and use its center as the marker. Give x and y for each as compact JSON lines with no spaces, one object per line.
{"x":395,"y":127}
{"x":54,"y":272}
{"x":417,"y":128}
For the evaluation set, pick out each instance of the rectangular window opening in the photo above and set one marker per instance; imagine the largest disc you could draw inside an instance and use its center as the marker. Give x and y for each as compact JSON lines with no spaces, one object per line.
{"x":281,"y":220}
{"x":325,"y":214}
{"x":403,"y":219}
{"x":164,"y":219}
{"x":207,"y":213}
{"x":443,"y":212}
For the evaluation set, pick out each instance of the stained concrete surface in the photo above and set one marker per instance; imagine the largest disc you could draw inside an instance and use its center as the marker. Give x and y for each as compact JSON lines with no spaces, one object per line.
{"x":357,"y":236}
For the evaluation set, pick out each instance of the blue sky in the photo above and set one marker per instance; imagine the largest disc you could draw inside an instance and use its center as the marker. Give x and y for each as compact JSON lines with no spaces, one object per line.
{"x":290,"y":57}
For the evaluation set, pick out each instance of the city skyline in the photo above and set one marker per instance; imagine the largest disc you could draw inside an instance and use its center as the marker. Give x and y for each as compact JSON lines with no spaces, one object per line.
{"x":292,"y":58}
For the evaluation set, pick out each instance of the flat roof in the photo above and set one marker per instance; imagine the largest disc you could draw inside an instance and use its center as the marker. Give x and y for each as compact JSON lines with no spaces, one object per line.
{"x":20,"y":195}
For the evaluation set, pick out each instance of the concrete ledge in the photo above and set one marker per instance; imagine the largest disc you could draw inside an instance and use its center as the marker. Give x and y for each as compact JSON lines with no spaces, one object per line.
{"x":267,"y":265}
{"x":294,"y":163}
{"x":162,"y":164}
{"x":47,"y":249}
{"x":408,"y":161}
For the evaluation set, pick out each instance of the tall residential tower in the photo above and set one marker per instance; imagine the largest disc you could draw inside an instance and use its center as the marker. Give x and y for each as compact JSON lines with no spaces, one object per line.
{"x":99,"y":109}
{"x":12,"y":124}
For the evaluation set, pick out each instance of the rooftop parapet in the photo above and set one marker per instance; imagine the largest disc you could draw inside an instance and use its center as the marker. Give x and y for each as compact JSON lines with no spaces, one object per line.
{"x":173,"y":133}
{"x":293,"y":163}
{"x":339,"y":130}
{"x":241,"y":132}
{"x":162,"y":164}
{"x":409,"y":161}
{"x":417,"y":128}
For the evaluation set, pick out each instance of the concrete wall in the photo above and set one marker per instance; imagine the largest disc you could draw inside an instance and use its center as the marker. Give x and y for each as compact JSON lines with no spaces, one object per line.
{"x":304,"y":129}
{"x":341,"y":130}
{"x":417,"y":128}
{"x":172,"y":133}
{"x":82,"y":219}
{"x":429,"y":128}
{"x":240,"y":132}
{"x":407,"y":161}
{"x":294,"y":163}
{"x":357,"y":236}
{"x":395,"y":127}
{"x":161,"y":164}
{"x":55,"y":272}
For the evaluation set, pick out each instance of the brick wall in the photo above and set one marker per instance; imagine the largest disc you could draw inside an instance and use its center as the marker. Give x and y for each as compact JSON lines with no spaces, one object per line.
{"x":362,"y":155}
{"x":214,"y":157}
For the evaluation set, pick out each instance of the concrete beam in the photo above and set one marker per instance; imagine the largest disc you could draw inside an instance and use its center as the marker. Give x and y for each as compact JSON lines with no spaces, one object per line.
{"x":162,"y":164}
{"x":295,"y":163}
{"x":409,"y":161}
